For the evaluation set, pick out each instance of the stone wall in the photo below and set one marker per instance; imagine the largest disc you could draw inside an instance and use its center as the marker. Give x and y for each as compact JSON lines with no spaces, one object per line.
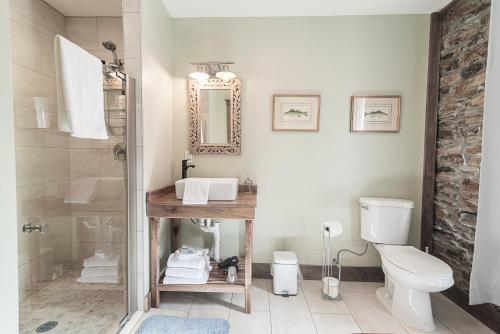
{"x":464,"y":51}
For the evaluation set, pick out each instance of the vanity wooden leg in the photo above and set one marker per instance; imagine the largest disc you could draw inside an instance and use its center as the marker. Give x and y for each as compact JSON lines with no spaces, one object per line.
{"x":248,"y":300}
{"x":153,"y":253}
{"x":248,"y":265}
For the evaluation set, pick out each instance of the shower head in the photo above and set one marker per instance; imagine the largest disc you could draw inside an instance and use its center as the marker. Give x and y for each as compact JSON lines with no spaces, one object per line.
{"x":109,"y":45}
{"x":117,"y":64}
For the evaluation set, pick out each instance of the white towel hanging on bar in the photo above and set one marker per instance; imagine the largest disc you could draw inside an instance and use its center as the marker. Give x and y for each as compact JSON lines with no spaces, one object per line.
{"x":80,"y":96}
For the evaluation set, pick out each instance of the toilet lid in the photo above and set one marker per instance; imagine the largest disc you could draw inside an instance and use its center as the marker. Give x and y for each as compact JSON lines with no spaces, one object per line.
{"x":416,"y":261}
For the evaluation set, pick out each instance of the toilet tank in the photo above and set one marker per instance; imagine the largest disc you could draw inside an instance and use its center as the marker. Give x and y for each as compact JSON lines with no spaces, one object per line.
{"x":385,"y":220}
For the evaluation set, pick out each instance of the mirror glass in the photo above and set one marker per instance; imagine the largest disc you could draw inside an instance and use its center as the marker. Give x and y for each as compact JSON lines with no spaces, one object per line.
{"x":215,"y":116}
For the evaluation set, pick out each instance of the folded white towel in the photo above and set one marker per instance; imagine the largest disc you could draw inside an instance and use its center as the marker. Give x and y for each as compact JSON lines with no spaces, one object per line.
{"x":109,"y":252}
{"x":80,"y":97}
{"x":196,"y":252}
{"x":196,"y":274}
{"x":99,"y":279}
{"x":190,"y":262}
{"x":81,"y":191}
{"x":94,"y":261}
{"x":179,"y":280}
{"x":100,"y":271}
{"x":195,"y":192}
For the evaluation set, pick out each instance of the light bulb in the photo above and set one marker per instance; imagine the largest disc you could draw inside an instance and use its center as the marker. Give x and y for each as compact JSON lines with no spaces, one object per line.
{"x":199,"y":74}
{"x":225,"y":74}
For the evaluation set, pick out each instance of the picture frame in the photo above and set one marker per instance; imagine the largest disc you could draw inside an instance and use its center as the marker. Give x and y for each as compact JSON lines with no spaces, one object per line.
{"x":375,"y":113}
{"x":296,"y":112}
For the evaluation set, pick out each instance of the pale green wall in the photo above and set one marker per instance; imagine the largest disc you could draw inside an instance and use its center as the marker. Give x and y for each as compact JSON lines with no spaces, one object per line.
{"x":9,"y":309}
{"x":157,"y":72}
{"x":307,"y":178}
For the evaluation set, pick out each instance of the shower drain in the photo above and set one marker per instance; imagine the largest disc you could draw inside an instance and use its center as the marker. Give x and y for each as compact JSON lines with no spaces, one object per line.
{"x":45,"y":327}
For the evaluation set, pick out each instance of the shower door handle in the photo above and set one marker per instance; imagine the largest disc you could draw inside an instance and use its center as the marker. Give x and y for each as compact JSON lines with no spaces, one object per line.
{"x":42,"y":228}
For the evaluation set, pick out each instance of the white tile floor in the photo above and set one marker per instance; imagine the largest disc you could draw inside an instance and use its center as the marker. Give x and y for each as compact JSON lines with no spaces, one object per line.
{"x":358,"y":312}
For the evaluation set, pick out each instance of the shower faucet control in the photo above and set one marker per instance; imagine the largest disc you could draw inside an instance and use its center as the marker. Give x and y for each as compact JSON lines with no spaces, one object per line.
{"x":42,"y":228}
{"x":185,"y":167}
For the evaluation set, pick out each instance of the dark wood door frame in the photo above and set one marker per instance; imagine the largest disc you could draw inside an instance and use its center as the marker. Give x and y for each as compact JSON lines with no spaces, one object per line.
{"x":432,"y":106}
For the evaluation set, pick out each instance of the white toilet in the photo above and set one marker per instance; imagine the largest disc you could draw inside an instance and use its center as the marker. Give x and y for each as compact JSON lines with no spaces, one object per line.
{"x":410,"y":274}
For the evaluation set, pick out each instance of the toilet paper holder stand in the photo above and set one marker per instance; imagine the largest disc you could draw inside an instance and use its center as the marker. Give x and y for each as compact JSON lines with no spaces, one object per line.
{"x":332,"y":262}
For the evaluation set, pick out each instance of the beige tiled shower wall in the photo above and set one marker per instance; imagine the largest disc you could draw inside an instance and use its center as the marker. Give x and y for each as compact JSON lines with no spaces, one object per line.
{"x":102,"y":222}
{"x":48,"y":161}
{"x":89,"y":32}
{"x":42,"y":154}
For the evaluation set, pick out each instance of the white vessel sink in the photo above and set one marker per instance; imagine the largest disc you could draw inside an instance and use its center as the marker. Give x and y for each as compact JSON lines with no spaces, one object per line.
{"x":220,"y":189}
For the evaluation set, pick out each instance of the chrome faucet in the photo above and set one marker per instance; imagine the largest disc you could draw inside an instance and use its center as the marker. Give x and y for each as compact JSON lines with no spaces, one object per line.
{"x":185,"y":167}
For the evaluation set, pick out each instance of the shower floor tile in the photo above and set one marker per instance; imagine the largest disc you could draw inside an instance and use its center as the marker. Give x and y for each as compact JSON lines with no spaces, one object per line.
{"x":78,"y":308}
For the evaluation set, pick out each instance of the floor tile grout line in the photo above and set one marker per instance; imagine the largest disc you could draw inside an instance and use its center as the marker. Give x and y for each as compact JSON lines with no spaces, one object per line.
{"x":399,"y":322}
{"x":442,"y":322}
{"x":268,"y":283}
{"x":270,"y":310}
{"x":230,"y":307}
{"x":445,"y":326}
{"x":352,"y":315}
{"x":190,"y":306}
{"x":332,"y":313}
{"x":309,"y":308}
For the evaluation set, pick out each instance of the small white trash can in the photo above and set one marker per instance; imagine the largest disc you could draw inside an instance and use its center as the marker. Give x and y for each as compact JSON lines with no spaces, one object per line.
{"x":285,"y":272}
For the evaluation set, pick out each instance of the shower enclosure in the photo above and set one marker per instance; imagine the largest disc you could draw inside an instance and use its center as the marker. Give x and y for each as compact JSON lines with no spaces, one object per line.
{"x":75,"y":197}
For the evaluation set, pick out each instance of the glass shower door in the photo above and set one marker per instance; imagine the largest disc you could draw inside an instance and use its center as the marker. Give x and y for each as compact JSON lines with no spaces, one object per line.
{"x":73,"y":225}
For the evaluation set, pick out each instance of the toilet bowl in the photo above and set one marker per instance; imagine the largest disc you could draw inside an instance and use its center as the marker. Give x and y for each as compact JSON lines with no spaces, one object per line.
{"x":411,"y":275}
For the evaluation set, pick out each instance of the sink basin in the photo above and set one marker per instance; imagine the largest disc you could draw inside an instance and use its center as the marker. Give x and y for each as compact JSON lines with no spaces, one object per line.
{"x":221,"y":189}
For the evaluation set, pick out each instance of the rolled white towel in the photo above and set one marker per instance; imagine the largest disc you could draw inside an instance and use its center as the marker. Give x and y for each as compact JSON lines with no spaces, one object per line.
{"x":95,"y":261}
{"x":179,"y":280}
{"x":196,"y":274}
{"x":190,"y":262}
{"x":99,"y":279}
{"x":100,"y":271}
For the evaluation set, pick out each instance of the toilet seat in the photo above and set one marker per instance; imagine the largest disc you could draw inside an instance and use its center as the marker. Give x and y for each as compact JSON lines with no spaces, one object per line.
{"x":417,"y":262}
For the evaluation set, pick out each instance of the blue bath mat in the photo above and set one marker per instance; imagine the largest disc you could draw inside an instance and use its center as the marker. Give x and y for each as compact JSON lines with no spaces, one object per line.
{"x":166,"y":324}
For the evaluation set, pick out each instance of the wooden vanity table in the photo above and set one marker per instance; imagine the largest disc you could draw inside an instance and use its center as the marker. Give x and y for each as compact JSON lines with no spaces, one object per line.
{"x":164,"y":204}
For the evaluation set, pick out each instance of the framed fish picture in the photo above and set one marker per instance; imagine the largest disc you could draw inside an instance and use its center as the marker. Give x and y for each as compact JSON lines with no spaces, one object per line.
{"x":296,"y":112}
{"x":375,"y":113}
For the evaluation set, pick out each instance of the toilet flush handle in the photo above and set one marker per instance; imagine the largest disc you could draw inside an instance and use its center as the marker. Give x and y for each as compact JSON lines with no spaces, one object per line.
{"x":366,"y":207}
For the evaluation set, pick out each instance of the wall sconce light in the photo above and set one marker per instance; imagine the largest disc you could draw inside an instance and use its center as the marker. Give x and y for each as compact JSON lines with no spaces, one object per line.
{"x":203,"y":70}
{"x":225,"y":74}
{"x":199,"y":74}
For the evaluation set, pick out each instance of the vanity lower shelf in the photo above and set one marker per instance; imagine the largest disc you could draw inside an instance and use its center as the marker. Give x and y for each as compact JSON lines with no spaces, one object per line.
{"x":216,"y":282}
{"x":164,"y":204}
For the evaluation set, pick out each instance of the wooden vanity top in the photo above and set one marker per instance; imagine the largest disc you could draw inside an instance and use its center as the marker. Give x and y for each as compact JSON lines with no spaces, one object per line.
{"x":164,"y":203}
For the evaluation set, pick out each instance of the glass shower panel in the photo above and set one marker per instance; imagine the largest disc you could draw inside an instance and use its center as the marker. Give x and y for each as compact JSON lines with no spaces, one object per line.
{"x":73,"y":235}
